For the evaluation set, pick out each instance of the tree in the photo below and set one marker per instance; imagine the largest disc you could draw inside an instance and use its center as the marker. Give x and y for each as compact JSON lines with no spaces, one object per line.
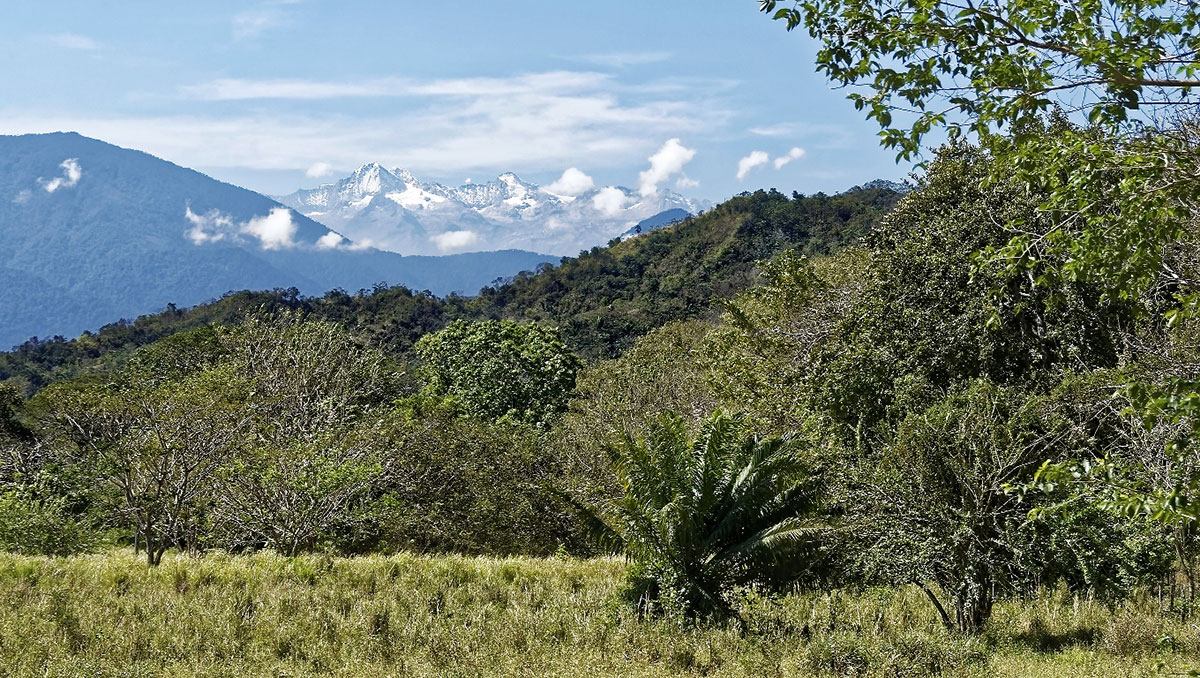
{"x":934,"y":508}
{"x":311,"y":460}
{"x":501,"y":369}
{"x":702,"y":515}
{"x":983,"y":66}
{"x":1120,"y":192}
{"x":158,"y":445}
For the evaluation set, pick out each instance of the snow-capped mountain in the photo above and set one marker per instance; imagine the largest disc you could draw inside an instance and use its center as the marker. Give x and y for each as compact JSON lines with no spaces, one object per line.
{"x":393,"y":210}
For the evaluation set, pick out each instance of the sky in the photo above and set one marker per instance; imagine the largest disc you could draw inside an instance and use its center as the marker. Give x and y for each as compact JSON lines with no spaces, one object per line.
{"x":707,"y":98}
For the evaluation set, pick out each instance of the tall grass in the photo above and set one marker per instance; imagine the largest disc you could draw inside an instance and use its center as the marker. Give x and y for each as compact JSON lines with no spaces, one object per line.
{"x":406,"y":615}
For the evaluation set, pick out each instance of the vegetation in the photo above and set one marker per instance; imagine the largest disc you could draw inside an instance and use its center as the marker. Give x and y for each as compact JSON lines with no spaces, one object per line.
{"x":601,"y":300}
{"x":701,"y":517}
{"x":220,"y":615}
{"x":956,"y":439}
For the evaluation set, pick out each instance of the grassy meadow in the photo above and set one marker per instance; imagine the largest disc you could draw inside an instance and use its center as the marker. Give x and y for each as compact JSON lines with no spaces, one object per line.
{"x":107,"y":614}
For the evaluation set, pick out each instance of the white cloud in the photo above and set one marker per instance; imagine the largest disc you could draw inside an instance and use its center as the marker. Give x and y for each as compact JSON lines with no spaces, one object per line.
{"x":209,"y":227}
{"x":318,"y":170}
{"x":571,"y":183}
{"x":755,"y":159}
{"x":73,"y":41}
{"x":455,"y":240}
{"x":330,"y":241}
{"x":71,"y":174}
{"x":450,"y":127}
{"x":609,"y":200}
{"x":795,"y":154}
{"x":778,"y":130}
{"x":261,"y":18}
{"x":686,"y":182}
{"x":274,"y":231}
{"x":23,"y":197}
{"x":669,"y":160}
{"x":819,"y":135}
{"x":623,"y":59}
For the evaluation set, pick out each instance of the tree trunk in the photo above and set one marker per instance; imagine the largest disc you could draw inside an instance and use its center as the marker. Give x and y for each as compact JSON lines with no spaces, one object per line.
{"x":936,"y":604}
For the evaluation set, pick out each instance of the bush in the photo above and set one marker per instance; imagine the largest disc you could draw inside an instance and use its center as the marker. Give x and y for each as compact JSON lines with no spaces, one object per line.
{"x":41,"y":526}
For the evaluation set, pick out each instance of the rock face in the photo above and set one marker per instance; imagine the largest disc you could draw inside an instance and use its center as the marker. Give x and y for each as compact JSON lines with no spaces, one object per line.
{"x":394,"y":211}
{"x":94,"y":233}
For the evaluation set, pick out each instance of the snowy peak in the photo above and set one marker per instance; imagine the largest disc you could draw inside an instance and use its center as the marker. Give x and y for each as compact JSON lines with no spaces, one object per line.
{"x":396,"y":211}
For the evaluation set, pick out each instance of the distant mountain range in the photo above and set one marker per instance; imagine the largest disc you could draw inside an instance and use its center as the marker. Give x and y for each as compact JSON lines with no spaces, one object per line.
{"x":93,"y":233}
{"x":393,"y":210}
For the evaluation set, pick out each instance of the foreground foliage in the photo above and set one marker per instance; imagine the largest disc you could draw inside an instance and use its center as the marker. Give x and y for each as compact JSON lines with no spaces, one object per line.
{"x":701,"y":516}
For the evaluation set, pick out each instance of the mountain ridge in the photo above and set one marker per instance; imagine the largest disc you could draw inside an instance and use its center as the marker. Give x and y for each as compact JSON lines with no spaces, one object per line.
{"x":117,"y":232}
{"x":395,"y":211}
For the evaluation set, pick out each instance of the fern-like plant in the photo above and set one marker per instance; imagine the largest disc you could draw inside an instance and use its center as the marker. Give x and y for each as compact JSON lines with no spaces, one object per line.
{"x":701,"y":516}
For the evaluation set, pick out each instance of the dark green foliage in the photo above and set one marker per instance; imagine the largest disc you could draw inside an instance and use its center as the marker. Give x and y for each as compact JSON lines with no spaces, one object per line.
{"x":499,"y":369}
{"x":703,"y":515}
{"x":42,"y":526}
{"x":455,"y":483}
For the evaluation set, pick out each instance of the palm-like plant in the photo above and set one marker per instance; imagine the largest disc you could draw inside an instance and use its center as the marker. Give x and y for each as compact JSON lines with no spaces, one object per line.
{"x":703,"y":515}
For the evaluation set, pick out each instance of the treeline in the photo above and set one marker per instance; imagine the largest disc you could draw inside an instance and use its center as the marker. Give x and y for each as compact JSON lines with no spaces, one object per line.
{"x":602,"y":299}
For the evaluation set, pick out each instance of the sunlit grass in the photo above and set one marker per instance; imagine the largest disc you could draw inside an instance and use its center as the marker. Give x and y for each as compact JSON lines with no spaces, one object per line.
{"x":265,"y":615}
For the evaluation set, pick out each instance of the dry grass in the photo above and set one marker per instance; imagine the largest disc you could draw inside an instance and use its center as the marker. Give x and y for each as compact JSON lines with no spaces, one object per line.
{"x":406,"y":615}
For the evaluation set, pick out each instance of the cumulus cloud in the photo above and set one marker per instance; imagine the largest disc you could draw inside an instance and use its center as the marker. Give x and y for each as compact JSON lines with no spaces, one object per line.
{"x":755,"y":159}
{"x":571,"y":183}
{"x":23,"y":197}
{"x":609,"y":200}
{"x":330,"y":241}
{"x":669,"y":160}
{"x":455,"y":240}
{"x":274,"y":231}
{"x":71,"y":174}
{"x":795,"y":154}
{"x":208,"y":227}
{"x":685,"y":182}
{"x":318,"y":170}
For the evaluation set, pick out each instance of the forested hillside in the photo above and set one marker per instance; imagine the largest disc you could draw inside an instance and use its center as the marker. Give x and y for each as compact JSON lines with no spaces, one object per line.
{"x":601,"y":300}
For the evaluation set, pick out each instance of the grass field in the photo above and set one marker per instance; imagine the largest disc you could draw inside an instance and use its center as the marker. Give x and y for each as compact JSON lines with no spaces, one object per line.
{"x":265,"y":615}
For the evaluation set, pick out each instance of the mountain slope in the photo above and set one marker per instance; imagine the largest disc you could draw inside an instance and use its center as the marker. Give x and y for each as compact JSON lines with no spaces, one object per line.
{"x":94,"y":232}
{"x":393,"y":210}
{"x":602,"y":300}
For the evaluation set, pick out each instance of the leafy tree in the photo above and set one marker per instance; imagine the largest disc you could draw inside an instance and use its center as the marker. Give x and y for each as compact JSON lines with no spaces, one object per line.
{"x":935,"y":508}
{"x":980,"y":66}
{"x":311,"y":460}
{"x":157,"y":445}
{"x":454,"y":482}
{"x":501,"y":369}
{"x":1120,"y":193}
{"x":703,"y":515}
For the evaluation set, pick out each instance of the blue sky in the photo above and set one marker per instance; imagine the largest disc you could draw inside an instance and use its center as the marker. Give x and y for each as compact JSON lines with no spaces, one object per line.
{"x":281,"y":94}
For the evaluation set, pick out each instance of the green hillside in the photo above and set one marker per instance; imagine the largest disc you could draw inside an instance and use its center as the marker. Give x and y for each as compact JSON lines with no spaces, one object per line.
{"x":601,"y":300}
